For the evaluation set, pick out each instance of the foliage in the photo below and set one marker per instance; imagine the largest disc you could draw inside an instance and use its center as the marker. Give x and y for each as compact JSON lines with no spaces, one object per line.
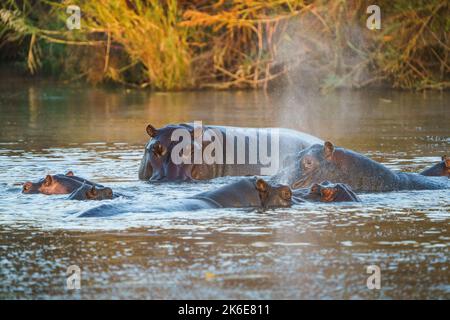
{"x":172,"y":45}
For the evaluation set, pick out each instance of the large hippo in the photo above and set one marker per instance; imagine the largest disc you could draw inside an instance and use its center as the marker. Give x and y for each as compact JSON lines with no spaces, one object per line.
{"x":233,"y":145}
{"x":440,"y":169}
{"x":57,"y":184}
{"x":249,"y":192}
{"x":325,"y":162}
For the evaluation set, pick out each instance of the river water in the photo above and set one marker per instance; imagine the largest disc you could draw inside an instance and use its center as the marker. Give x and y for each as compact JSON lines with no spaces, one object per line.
{"x":309,"y":251}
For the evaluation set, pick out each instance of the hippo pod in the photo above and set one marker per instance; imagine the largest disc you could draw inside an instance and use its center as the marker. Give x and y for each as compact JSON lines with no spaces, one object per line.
{"x":91,"y":192}
{"x":248,"y":192}
{"x":440,"y":169}
{"x":57,"y":184}
{"x":325,"y":162}
{"x":179,"y":152}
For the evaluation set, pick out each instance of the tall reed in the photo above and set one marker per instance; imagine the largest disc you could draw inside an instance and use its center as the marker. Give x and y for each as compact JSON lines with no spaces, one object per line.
{"x":172,"y":45}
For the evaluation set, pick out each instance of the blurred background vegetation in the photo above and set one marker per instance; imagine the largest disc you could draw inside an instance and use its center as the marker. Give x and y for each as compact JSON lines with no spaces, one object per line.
{"x":177,"y":45}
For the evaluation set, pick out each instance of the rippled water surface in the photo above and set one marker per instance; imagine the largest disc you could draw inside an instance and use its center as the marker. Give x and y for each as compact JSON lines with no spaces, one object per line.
{"x":308,"y":251}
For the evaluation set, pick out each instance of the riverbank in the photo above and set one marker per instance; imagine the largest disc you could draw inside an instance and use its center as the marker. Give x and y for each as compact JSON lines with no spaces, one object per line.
{"x":179,"y":45}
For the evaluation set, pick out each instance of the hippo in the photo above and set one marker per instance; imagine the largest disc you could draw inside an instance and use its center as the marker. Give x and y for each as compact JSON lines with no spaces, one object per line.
{"x":440,"y":169}
{"x":249,"y":192}
{"x":325,"y":192}
{"x":56,"y":184}
{"x":322,"y":162}
{"x":91,"y":192}
{"x":157,"y":163}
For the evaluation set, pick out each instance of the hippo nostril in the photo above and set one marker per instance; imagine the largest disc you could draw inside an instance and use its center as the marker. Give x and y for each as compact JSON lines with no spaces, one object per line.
{"x":26,"y":186}
{"x":328,"y":194}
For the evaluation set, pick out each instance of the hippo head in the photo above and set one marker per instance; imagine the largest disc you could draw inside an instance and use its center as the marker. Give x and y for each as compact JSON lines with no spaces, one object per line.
{"x":157,"y":163}
{"x":445,"y":165}
{"x":95,"y":193}
{"x":56,"y":184}
{"x":89,"y":192}
{"x":314,"y":165}
{"x":159,"y":151}
{"x":145,"y":169}
{"x":326,"y":163}
{"x":446,"y":160}
{"x":331,"y":192}
{"x":273,"y":195}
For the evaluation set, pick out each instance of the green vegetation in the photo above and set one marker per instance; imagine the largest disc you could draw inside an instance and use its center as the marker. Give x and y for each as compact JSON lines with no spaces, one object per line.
{"x":175,"y":45}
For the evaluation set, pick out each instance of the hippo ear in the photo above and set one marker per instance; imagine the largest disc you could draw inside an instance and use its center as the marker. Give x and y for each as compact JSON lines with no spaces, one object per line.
{"x":70,"y":173}
{"x":328,"y":149}
{"x":91,"y":193}
{"x":151,"y":130}
{"x":48,"y":180}
{"x":261,"y":185}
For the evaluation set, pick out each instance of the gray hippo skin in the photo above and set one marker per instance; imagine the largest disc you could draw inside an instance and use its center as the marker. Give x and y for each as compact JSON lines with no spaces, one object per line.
{"x":157,"y":163}
{"x":56,"y":184}
{"x":440,"y":169}
{"x":325,"y":162}
{"x":250,"y":192}
{"x":91,"y":192}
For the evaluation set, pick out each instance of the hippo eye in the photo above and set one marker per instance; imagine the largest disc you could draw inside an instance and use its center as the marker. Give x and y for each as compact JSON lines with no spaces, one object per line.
{"x":26,"y":187}
{"x":158,"y":149}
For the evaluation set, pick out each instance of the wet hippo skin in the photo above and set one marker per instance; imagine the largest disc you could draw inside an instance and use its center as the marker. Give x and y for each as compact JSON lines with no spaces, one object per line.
{"x":157,"y":163}
{"x":325,"y":162}
{"x":325,"y":192}
{"x":56,"y":184}
{"x":440,"y":169}
{"x":91,"y":192}
{"x":248,"y":192}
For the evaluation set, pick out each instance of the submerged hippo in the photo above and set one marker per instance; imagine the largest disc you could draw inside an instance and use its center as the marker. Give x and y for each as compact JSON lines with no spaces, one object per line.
{"x":57,"y":184}
{"x":440,"y":169}
{"x":233,"y":145}
{"x":248,"y":192}
{"x":91,"y":192}
{"x":325,"y":192}
{"x":325,"y":162}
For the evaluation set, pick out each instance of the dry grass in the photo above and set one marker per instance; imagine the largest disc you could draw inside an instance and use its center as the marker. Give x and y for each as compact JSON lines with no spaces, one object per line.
{"x":171,"y":45}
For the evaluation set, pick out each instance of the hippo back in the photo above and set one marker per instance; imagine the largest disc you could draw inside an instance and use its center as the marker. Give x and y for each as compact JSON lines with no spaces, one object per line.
{"x":242,"y":194}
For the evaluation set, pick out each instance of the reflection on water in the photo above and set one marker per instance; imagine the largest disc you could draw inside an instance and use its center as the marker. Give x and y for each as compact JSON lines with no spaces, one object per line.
{"x":309,"y":251}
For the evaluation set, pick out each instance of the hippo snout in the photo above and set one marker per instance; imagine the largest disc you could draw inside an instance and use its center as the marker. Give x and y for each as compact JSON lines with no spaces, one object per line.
{"x":28,"y":187}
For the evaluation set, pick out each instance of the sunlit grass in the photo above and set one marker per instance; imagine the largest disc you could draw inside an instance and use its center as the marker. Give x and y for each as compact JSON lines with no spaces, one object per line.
{"x":172,"y":45}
